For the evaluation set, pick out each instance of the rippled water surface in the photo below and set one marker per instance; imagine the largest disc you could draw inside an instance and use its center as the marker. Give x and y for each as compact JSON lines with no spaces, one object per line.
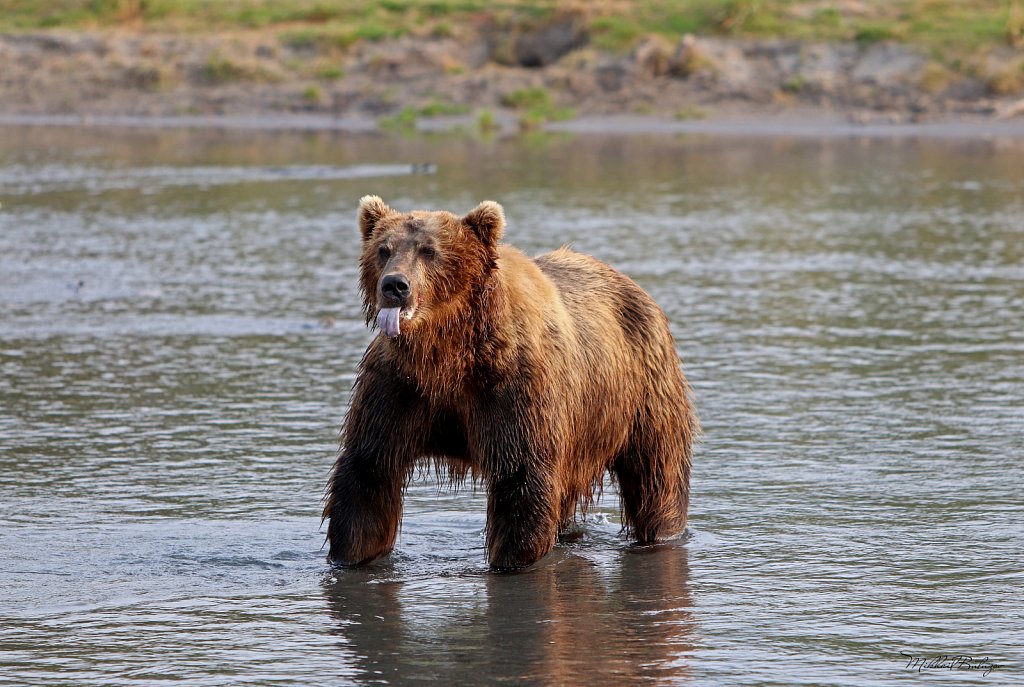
{"x":179,"y":332}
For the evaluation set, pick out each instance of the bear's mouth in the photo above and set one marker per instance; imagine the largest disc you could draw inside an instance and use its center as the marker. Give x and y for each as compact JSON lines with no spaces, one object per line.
{"x":388,"y":320}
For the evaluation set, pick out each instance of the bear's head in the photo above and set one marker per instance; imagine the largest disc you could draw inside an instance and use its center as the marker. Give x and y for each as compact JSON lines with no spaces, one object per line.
{"x":424,"y":267}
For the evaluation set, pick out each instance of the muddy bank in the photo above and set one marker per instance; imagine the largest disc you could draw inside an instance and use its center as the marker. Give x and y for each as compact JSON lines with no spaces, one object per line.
{"x":551,"y":72}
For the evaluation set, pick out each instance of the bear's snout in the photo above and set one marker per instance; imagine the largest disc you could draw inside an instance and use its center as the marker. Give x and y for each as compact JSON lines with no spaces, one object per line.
{"x":394,"y":288}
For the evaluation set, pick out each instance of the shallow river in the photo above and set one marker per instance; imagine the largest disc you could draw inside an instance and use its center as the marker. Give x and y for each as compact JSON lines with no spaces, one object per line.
{"x":179,"y":332}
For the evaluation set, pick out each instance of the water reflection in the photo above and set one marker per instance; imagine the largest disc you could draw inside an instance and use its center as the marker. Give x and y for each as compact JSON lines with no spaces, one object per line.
{"x":569,"y":620}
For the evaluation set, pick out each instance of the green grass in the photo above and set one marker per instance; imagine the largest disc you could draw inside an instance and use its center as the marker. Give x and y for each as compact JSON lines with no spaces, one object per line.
{"x":615,"y":33}
{"x":329,"y":72}
{"x":955,"y":26}
{"x":405,"y":121}
{"x":437,"y":108}
{"x":690,"y":113}
{"x":312,"y":94}
{"x":537,"y":106}
{"x":795,"y":85}
{"x":487,"y":123}
{"x":373,"y":19}
{"x":219,"y":69}
{"x":377,"y":32}
{"x":874,"y":33}
{"x":324,"y":38}
{"x":532,"y":98}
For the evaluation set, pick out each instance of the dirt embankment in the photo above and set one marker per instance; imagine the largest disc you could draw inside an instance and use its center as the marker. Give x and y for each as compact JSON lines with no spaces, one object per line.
{"x":549,"y":71}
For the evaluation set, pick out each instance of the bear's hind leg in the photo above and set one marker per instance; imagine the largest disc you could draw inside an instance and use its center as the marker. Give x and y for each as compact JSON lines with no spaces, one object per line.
{"x":654,"y":484}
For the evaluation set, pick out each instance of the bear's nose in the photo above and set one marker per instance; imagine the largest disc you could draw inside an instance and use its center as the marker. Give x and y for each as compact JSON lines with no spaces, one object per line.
{"x":395,"y":286}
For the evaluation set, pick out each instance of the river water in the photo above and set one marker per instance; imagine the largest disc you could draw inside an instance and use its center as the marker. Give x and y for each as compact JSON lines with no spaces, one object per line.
{"x":179,"y":332}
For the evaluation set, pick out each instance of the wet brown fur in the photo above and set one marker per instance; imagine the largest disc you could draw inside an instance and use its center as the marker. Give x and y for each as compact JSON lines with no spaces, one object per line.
{"x":535,"y":376}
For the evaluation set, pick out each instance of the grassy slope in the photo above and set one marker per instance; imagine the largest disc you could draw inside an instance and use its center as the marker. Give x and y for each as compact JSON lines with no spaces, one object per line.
{"x":941,"y":25}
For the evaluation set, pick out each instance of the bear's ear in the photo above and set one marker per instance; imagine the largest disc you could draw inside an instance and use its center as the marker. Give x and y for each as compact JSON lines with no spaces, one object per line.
{"x":487,"y":220}
{"x":371,"y":211}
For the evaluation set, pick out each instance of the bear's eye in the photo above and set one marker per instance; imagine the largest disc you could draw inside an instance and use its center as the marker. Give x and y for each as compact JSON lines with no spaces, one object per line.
{"x":384,"y":252}
{"x":427,"y":252}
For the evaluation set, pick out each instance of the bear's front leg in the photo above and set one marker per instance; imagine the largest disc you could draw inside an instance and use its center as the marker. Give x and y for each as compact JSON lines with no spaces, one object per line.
{"x":516,"y":453}
{"x":380,"y":442}
{"x":522,"y":520}
{"x":364,"y":505}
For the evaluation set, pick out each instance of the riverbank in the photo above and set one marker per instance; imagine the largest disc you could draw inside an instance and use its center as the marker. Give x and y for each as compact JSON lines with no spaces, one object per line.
{"x":790,"y":124}
{"x":531,"y":68}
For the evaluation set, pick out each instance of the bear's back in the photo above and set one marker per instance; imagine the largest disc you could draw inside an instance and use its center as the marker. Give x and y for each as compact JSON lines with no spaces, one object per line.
{"x":595,"y":293}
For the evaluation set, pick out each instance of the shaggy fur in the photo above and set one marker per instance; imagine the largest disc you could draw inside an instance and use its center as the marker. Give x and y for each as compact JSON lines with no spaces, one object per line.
{"x":535,"y":376}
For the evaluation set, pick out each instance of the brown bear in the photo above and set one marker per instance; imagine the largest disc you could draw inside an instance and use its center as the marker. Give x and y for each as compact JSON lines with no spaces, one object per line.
{"x":535,"y":376}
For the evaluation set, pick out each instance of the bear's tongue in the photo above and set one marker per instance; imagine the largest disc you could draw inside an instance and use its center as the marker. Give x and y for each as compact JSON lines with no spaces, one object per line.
{"x":387,"y":320}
